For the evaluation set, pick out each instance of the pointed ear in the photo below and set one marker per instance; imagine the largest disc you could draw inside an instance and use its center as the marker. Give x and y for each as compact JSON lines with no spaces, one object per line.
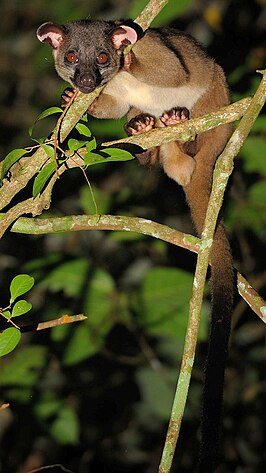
{"x":123,"y":36}
{"x":52,"y":34}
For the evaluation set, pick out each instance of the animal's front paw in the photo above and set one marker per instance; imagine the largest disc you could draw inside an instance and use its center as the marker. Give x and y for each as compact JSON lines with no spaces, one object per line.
{"x":140,"y":124}
{"x":66,"y":96}
{"x":175,"y":115}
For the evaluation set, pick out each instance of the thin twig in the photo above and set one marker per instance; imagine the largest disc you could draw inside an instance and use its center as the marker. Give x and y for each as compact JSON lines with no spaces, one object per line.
{"x":63,"y":320}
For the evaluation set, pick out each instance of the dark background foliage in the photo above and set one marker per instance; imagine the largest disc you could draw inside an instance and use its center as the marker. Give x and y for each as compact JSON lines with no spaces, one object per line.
{"x":98,"y":395}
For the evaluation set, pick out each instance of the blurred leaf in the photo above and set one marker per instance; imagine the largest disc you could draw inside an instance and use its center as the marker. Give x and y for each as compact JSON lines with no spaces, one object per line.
{"x":257,"y":194}
{"x":89,"y":337}
{"x":102,"y":198}
{"x":250,"y":212}
{"x":157,"y":394}
{"x":165,"y":297}
{"x":68,"y":277}
{"x":108,"y":129}
{"x":259,"y":125}
{"x":22,"y":395}
{"x":126,"y":236}
{"x":47,"y":407}
{"x":21,"y":284}
{"x":164,"y":302}
{"x":9,"y":339}
{"x":11,"y":159}
{"x":65,"y":429}
{"x":21,"y":307}
{"x":98,"y":302}
{"x":58,"y":334}
{"x":253,"y":155}
{"x":81,"y":345}
{"x":250,"y":332}
{"x":24,"y":368}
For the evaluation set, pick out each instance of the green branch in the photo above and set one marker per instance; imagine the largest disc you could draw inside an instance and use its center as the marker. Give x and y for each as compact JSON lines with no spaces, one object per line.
{"x":75,"y":223}
{"x":188,"y":130}
{"x":222,"y":172}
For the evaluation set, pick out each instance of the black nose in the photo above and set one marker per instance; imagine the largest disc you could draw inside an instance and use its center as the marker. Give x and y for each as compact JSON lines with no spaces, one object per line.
{"x":87,"y":82}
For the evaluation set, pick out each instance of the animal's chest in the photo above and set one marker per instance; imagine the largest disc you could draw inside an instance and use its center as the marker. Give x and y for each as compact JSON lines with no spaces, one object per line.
{"x":149,"y":98}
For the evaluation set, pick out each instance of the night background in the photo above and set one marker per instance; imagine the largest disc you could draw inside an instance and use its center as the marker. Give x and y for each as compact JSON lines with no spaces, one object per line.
{"x":97,"y":396}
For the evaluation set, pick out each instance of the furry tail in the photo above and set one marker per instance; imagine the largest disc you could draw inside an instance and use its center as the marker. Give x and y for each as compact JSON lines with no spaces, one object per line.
{"x":222,"y":285}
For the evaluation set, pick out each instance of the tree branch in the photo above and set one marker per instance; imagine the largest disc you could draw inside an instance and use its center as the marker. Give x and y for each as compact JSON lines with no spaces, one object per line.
{"x":74,"y":223}
{"x":187,"y":131}
{"x":23,"y":171}
{"x":222,"y":172}
{"x":27,"y":167}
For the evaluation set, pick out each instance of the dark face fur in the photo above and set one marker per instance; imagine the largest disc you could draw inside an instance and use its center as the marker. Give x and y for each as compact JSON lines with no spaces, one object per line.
{"x":84,"y":52}
{"x":87,"y":57}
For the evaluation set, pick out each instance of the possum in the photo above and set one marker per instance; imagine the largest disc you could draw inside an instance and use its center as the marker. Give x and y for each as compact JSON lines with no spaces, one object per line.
{"x":165,"y":79}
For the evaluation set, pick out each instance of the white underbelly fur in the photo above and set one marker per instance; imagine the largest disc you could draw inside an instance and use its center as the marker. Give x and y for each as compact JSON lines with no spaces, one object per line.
{"x":149,"y":98}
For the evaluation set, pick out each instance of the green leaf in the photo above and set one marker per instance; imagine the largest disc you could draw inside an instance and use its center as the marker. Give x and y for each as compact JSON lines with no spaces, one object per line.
{"x":253,"y":154}
{"x":65,"y":429}
{"x":48,"y":112}
{"x":9,"y":339}
{"x":91,"y":145}
{"x":110,"y":128}
{"x":49,"y":150}
{"x":98,"y":302}
{"x":89,"y":337}
{"x":164,"y":302}
{"x":11,"y":159}
{"x":21,"y":307}
{"x":44,"y":114}
{"x":81,"y":345}
{"x":42,"y":178}
{"x":93,"y":158}
{"x":249,"y":212}
{"x":68,"y":277}
{"x":257,"y":194}
{"x":156,"y":392}
{"x":102,"y":198}
{"x":20,"y":285}
{"x":7,"y":314}
{"x":47,"y":408}
{"x":116,"y":154}
{"x":83,"y":129}
{"x":24,"y":368}
{"x":109,"y":154}
{"x":74,"y":144}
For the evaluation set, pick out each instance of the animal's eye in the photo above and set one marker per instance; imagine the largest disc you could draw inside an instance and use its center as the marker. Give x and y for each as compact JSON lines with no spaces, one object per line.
{"x":102,"y":58}
{"x":72,"y":57}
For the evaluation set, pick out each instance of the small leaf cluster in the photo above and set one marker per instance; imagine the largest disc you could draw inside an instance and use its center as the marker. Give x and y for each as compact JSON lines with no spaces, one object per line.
{"x":10,"y":337}
{"x":58,"y":156}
